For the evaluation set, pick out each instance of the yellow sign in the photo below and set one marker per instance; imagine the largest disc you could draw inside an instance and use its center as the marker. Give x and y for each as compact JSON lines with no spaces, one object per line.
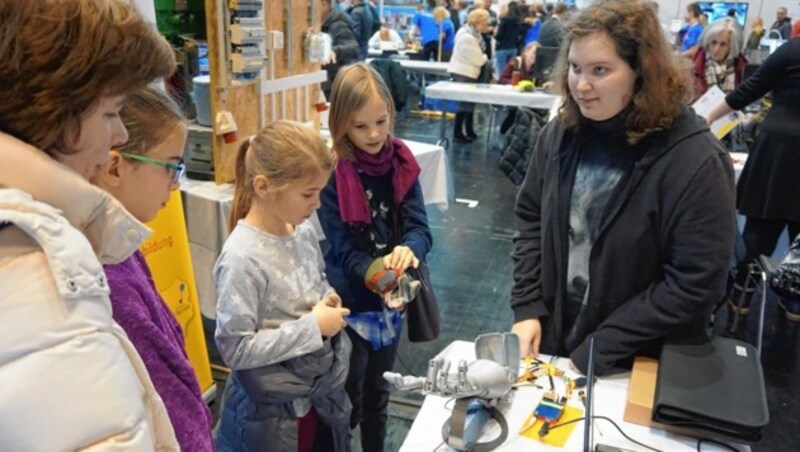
{"x":167,"y":254}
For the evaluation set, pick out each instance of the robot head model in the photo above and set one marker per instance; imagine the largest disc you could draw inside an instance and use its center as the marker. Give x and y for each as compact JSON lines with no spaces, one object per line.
{"x":478,"y":387}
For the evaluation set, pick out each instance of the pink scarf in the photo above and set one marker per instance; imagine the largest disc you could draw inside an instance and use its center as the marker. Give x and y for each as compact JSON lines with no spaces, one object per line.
{"x":395,"y":156}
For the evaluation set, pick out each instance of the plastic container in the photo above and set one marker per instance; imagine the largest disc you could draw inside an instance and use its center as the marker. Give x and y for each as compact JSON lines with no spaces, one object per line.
{"x":202,"y":58}
{"x":201,"y":95}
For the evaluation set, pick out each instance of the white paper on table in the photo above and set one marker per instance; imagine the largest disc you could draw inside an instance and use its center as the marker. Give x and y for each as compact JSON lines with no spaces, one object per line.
{"x":388,"y":45}
{"x":707,"y":101}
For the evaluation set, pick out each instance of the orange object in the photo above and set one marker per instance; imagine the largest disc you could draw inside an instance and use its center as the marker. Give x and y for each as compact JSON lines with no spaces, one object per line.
{"x":231,"y":137}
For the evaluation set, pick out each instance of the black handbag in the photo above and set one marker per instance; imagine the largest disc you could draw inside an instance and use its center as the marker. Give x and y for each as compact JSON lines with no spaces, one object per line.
{"x":486,"y":74}
{"x":785,"y":280}
{"x":422,"y":313}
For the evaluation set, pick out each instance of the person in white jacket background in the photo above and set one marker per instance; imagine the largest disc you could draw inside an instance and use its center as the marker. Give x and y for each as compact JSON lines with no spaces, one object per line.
{"x":71,"y":378}
{"x":469,"y":57}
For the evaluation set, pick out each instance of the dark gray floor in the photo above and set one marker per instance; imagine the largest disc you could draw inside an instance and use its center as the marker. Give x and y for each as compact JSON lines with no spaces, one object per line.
{"x":471,"y":272}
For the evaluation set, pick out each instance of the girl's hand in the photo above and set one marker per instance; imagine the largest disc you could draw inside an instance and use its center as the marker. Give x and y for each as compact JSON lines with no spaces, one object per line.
{"x":333,"y":300}
{"x":400,"y":259}
{"x":329,"y":319}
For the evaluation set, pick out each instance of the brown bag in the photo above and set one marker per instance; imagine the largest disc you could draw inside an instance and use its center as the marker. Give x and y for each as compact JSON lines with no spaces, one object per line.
{"x":422,"y":313}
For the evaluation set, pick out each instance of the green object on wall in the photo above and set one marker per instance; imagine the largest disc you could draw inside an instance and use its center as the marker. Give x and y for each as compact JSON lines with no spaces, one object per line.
{"x":181,"y":17}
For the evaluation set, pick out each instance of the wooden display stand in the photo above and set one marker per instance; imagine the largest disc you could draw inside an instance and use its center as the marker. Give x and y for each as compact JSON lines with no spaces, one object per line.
{"x":293,"y":18}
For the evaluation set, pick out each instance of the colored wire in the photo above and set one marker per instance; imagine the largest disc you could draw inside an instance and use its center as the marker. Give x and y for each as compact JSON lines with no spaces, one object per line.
{"x":612,"y":423}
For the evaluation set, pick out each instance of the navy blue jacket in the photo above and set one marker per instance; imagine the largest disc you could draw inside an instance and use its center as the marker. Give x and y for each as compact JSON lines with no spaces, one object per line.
{"x":352,"y":247}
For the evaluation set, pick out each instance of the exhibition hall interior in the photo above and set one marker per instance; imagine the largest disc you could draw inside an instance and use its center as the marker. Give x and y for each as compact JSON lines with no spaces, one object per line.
{"x":400,"y":225}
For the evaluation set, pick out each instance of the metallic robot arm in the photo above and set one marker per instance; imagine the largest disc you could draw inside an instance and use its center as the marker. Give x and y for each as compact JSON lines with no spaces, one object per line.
{"x":483,"y":383}
{"x":489,"y":377}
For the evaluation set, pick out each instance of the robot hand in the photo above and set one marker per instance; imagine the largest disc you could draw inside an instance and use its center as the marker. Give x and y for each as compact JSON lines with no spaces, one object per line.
{"x":396,"y":288}
{"x":489,"y":377}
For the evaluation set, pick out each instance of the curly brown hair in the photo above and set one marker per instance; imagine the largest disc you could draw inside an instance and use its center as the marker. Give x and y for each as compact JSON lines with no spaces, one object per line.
{"x":662,"y":85}
{"x":60,"y":56}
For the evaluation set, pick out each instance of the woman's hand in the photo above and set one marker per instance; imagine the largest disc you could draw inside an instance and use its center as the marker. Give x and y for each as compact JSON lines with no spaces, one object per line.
{"x":530,"y":335}
{"x":400,"y":258}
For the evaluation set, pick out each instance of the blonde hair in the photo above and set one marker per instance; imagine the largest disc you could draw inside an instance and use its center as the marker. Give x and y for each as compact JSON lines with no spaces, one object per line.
{"x":353,"y":87}
{"x":284,"y":152}
{"x":60,"y":56}
{"x":440,"y":14}
{"x":151,"y":117}
{"x":477,"y":16}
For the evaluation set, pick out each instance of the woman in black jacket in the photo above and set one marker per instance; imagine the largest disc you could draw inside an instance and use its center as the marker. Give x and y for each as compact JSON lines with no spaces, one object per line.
{"x":626,"y":215}
{"x":509,"y":34}
{"x":768,"y":192}
{"x":344,"y":46}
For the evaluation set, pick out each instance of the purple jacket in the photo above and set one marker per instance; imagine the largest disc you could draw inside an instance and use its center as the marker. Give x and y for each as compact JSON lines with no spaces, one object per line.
{"x":151,"y":326}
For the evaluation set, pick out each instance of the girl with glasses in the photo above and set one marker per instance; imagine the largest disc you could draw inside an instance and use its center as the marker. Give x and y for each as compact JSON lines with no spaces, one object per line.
{"x":141,"y":174}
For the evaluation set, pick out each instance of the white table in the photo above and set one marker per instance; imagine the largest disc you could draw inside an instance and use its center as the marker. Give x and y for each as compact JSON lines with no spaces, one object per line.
{"x":421,"y":66}
{"x":425,"y":67}
{"x":207,"y":207}
{"x":739,"y":159}
{"x":609,"y":401}
{"x":481,"y":93}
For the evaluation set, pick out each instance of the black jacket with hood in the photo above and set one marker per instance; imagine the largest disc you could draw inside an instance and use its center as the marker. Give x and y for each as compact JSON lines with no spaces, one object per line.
{"x":659,"y":262}
{"x":340,"y":27}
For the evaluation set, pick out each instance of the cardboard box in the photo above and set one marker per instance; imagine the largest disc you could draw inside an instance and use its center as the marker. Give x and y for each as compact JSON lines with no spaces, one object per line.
{"x":641,"y":394}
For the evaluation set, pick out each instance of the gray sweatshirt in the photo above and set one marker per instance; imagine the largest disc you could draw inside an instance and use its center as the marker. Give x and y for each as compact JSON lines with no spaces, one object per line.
{"x":266,"y":288}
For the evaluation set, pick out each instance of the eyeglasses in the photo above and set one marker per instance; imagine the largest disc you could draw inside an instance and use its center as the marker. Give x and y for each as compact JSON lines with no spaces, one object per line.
{"x":176,"y":169}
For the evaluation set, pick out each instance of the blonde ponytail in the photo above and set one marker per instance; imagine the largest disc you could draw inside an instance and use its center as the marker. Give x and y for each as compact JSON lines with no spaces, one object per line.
{"x":243,"y":191}
{"x":284,"y":152}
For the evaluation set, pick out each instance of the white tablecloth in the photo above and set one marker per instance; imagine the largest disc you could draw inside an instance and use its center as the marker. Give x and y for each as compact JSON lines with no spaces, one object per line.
{"x":739,"y":159}
{"x":425,"y":67}
{"x":491,"y":94}
{"x":421,"y":66}
{"x":500,"y":95}
{"x":207,"y":207}
{"x":609,"y":401}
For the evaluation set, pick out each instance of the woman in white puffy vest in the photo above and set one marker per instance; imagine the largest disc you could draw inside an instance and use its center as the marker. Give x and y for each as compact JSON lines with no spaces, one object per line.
{"x":71,"y":379}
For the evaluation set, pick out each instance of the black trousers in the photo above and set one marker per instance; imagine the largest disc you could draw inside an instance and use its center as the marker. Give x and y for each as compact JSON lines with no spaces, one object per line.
{"x":368,"y":391}
{"x":430,"y":51}
{"x":760,"y":237}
